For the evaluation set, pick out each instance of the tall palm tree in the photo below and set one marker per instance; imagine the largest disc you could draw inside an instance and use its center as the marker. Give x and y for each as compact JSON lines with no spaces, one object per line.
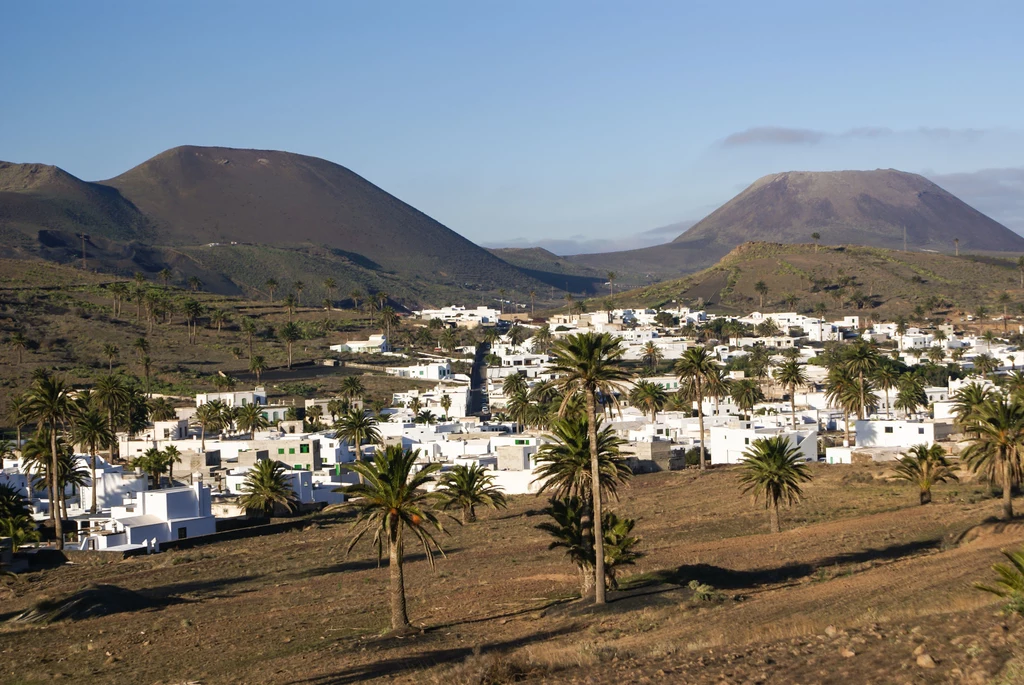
{"x":697,"y":365}
{"x":93,"y":433}
{"x":352,"y":387}
{"x":49,"y":404}
{"x":773,"y":469}
{"x":862,"y":360}
{"x":390,"y":500}
{"x":590,"y":364}
{"x":966,"y":401}
{"x":651,"y":355}
{"x":761,"y":288}
{"x":842,"y":392}
{"x":271,"y":285}
{"x":19,"y":342}
{"x":791,"y":375}
{"x":210,"y":417}
{"x":250,"y":419}
{"x":565,"y":467}
{"x":111,"y":395}
{"x":111,"y":351}
{"x":358,"y":429}
{"x":257,"y":365}
{"x":16,"y":415}
{"x":265,"y":487}
{"x":996,"y":452}
{"x":171,"y":457}
{"x":886,"y":377}
{"x":289,"y":333}
{"x":299,"y":287}
{"x":924,"y":466}
{"x":446,"y":404}
{"x":649,"y":398}
{"x":330,"y":285}
{"x":910,"y":394}
{"x":746,"y":393}
{"x":465,"y":488}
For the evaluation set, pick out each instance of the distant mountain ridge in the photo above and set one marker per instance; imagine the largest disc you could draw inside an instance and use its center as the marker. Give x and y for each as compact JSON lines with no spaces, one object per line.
{"x":870,"y":208}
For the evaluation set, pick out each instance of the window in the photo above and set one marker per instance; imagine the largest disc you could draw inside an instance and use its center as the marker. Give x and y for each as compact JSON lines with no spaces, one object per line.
{"x":268,"y":418}
{"x":920,"y":431}
{"x":238,"y":488}
{"x":304,"y":449}
{"x":280,"y":450}
{"x":297,"y":467}
{"x":291,"y":450}
{"x":746,"y":441}
{"x":182,"y":533}
{"x":888,"y":429}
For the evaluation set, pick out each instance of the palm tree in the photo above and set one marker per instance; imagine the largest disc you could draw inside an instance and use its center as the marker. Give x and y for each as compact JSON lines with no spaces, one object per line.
{"x":92,"y":432}
{"x":267,"y":486}
{"x":257,"y":365}
{"x":352,"y":387}
{"x":862,"y":361}
{"x":16,"y":415}
{"x":290,"y":303}
{"x":330,"y":285}
{"x":465,"y":488}
{"x":111,"y":395}
{"x":791,"y":375}
{"x":271,"y":285}
{"x":1020,"y":267}
{"x":564,"y":464}
{"x":49,"y":404}
{"x":289,"y":333}
{"x":218,"y":317}
{"x":761,"y":288}
{"x":925,"y":465}
{"x":209,"y":417}
{"x":651,"y":355}
{"x":194,"y":284}
{"x":358,"y":428}
{"x":1011,"y":577}
{"x":589,"y":364}
{"x":171,"y":456}
{"x":111,"y":351}
{"x":746,"y":393}
{"x":165,"y":275}
{"x":388,"y":320}
{"x":19,"y":342}
{"x":250,"y":419}
{"x":966,"y":401}
{"x":910,"y":394}
{"x":390,"y":500}
{"x":698,"y":366}
{"x":649,"y":398}
{"x":995,"y":453}
{"x":611,"y":282}
{"x":249,"y":328}
{"x":842,"y":391}
{"x":446,"y":404}
{"x":773,"y":468}
{"x":815,"y":237}
{"x":192,"y":310}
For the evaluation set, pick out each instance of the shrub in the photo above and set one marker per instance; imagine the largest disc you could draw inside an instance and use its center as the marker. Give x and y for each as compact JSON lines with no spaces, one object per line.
{"x":703,"y":592}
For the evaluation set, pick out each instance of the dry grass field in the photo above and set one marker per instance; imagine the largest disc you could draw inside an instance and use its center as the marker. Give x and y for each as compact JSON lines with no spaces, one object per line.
{"x":860,"y":585}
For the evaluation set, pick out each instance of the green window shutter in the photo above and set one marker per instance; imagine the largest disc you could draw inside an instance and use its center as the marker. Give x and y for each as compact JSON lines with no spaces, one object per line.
{"x":291,"y":450}
{"x":280,"y":450}
{"x":297,"y":467}
{"x":304,"y":449}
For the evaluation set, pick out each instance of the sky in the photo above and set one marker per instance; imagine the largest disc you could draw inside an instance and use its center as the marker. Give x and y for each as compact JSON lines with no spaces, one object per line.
{"x":575,"y":125}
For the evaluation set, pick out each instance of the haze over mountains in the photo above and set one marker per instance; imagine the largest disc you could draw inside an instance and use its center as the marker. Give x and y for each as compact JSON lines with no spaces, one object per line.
{"x":871,"y":208}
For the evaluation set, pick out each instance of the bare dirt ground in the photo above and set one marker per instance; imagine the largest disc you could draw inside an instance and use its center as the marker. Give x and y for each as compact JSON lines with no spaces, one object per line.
{"x":861,"y":587}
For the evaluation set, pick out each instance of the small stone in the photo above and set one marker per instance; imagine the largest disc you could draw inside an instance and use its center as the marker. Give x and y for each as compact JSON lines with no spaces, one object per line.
{"x":919,"y":651}
{"x":831,"y":631}
{"x":110,"y":661}
{"x":288,"y":639}
{"x":847,"y":652}
{"x":89,"y":647}
{"x":925,"y":661}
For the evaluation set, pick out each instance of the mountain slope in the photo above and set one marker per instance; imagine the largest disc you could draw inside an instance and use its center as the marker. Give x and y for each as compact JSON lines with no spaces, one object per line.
{"x":199,"y":195}
{"x":854,"y":279}
{"x":547,"y":267}
{"x":38,"y":197}
{"x":870,"y":208}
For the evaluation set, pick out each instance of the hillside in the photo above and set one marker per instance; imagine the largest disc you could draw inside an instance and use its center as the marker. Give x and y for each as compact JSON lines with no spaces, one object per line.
{"x":198,"y":195}
{"x":38,"y":198}
{"x":871,"y":208}
{"x":852,"y":279}
{"x":557,"y":272}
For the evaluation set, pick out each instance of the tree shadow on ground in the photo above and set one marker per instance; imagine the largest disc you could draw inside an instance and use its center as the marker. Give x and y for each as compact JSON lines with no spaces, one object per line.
{"x":423,"y":660}
{"x":361,"y":565}
{"x":105,"y":600}
{"x":730,"y":579}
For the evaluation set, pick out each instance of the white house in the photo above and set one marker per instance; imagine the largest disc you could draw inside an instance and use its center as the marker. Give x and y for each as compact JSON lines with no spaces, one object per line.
{"x":901,"y":433}
{"x":234,"y":398}
{"x":156,"y":515}
{"x":375,"y":344}
{"x":729,"y":443}
{"x":437,"y":371}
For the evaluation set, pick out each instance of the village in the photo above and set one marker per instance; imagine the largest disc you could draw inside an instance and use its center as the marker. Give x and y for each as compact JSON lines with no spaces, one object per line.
{"x":185,"y":476}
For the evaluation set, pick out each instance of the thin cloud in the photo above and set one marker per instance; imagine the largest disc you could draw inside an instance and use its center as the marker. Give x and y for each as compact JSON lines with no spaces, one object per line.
{"x":998,"y":193}
{"x":781,"y":135}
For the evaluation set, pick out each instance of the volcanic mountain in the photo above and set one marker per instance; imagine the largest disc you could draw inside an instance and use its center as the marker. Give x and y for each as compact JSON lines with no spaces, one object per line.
{"x":235,"y":218}
{"x":873,"y":208}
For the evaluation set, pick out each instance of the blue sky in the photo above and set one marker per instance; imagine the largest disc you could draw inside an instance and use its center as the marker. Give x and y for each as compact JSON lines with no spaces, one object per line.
{"x":576,"y":125}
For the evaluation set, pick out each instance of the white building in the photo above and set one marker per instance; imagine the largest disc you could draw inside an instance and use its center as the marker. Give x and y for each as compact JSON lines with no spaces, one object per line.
{"x":901,"y":433}
{"x":436,"y":371}
{"x":460,"y":316}
{"x":234,"y":398}
{"x":729,"y":443}
{"x":375,"y":344}
{"x":156,"y":516}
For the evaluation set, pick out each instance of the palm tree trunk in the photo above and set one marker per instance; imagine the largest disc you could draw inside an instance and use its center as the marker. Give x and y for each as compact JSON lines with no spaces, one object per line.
{"x":1007,"y":491}
{"x":792,"y":404}
{"x":846,"y":425}
{"x":58,"y":524}
{"x":399,"y":618}
{"x":595,"y":475}
{"x":202,"y":435}
{"x":700,"y":426}
{"x":926,"y":495}
{"x":773,"y":517}
{"x":92,"y":509}
{"x":468,"y":515}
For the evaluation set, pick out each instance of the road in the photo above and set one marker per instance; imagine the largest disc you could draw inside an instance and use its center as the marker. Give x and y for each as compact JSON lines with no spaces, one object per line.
{"x":478,"y":381}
